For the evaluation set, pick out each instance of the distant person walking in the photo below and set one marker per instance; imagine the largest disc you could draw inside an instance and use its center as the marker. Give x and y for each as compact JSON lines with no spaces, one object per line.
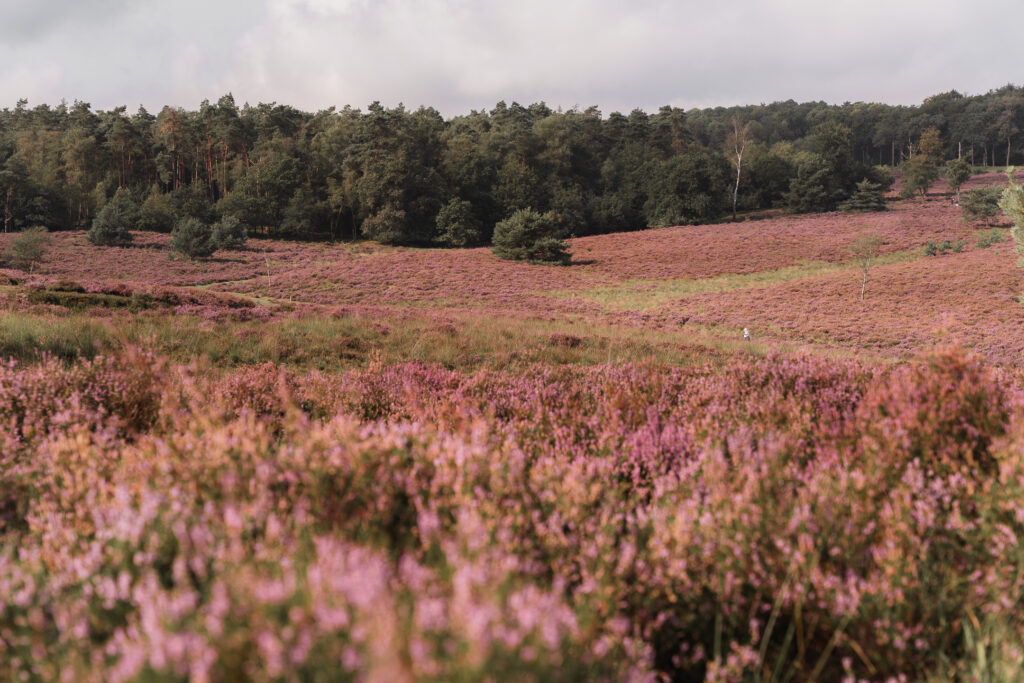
{"x":746,"y":334}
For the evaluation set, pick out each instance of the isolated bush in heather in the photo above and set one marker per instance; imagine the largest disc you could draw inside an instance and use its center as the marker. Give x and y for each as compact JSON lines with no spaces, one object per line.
{"x":457,"y":226}
{"x":922,"y":169}
{"x":27,"y":249}
{"x":918,"y":175}
{"x":193,"y":238}
{"x":112,"y":224}
{"x":867,"y":197}
{"x":229,"y":233}
{"x":958,"y":172}
{"x":981,"y":203}
{"x":944,"y":247}
{"x":527,"y":235}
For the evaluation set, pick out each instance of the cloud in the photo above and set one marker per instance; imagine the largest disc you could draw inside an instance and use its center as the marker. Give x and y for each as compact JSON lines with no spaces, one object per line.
{"x":34,"y":84}
{"x":33,"y":20}
{"x":461,"y":54}
{"x":458,"y":55}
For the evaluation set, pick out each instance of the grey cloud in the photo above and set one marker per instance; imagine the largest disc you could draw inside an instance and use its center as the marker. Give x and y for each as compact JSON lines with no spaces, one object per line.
{"x":461,"y":54}
{"x":23,"y":21}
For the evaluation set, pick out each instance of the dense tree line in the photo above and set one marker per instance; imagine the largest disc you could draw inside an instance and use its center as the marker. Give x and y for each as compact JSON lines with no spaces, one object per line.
{"x":411,"y":177}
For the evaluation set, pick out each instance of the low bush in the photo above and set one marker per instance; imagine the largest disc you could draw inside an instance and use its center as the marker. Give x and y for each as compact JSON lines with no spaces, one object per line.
{"x":229,"y":233}
{"x":986,"y":238}
{"x":193,"y":238}
{"x":112,"y":224}
{"x":27,"y":249}
{"x":530,"y":236}
{"x":944,"y":247}
{"x":981,"y":203}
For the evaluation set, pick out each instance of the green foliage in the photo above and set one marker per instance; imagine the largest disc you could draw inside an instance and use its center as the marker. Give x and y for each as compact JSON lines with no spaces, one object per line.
{"x":918,"y":175}
{"x":944,"y":247}
{"x":981,"y":203}
{"x":958,"y":172}
{"x":769,"y":179}
{"x":389,"y":225}
{"x":812,"y":188}
{"x":930,"y":145}
{"x":157,"y":212}
{"x":111,"y":226}
{"x":1012,"y":204}
{"x":880,"y":175}
{"x":530,"y":236}
{"x":692,"y":187}
{"x":84,"y":301}
{"x":457,"y":226}
{"x":986,"y":238}
{"x":193,"y":201}
{"x":27,"y":249}
{"x":288,"y":173}
{"x":229,"y":233}
{"x":868,"y":197}
{"x":193,"y":238}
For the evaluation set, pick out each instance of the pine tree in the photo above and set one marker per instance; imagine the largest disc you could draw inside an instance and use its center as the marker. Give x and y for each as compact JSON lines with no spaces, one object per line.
{"x":193,"y":238}
{"x":530,"y":236}
{"x":111,"y":225}
{"x":867,"y":197}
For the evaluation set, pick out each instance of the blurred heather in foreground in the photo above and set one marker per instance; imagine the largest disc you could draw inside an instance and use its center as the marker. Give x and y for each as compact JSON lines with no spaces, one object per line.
{"x":774,"y":518}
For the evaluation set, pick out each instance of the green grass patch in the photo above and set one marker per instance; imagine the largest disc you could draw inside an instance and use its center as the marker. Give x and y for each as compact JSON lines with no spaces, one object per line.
{"x":27,"y":337}
{"x":647,"y":295}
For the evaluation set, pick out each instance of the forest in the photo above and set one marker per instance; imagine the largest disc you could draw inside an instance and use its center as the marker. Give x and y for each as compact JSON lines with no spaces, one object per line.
{"x":412,"y":177}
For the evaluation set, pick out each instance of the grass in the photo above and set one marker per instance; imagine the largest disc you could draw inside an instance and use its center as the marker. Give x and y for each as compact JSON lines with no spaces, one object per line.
{"x":464,"y":342}
{"x":647,"y":295}
{"x":28,"y":337}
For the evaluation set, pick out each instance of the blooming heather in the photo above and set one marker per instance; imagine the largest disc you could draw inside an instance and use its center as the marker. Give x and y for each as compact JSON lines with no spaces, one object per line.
{"x":780,"y":516}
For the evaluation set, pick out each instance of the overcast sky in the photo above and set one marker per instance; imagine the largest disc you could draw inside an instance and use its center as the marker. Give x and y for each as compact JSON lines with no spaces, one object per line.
{"x":458,"y":55}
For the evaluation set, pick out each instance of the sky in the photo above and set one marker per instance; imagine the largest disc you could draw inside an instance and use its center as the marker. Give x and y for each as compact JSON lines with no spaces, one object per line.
{"x":461,"y":55}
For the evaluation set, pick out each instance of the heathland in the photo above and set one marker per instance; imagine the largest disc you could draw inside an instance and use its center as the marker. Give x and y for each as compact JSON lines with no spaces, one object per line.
{"x":353,"y":461}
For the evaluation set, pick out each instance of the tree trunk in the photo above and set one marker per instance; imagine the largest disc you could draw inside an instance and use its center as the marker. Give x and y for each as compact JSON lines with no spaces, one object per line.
{"x":7,"y":209}
{"x":736,"y":190}
{"x":1007,"y":150}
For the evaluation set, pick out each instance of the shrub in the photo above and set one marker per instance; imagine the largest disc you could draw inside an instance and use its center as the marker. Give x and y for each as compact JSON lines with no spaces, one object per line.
{"x":981,"y":203}
{"x":530,"y":236}
{"x":229,"y":233}
{"x":457,"y":226}
{"x":918,"y":175}
{"x":987,"y":238}
{"x":958,"y":171}
{"x":868,"y":197}
{"x":157,"y":212}
{"x":388,"y":225}
{"x":111,"y":225}
{"x":28,"y":248}
{"x":944,"y":247}
{"x":193,"y":238}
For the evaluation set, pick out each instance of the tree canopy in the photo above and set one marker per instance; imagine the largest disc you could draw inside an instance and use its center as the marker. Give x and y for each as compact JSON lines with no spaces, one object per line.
{"x":406,"y":176}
